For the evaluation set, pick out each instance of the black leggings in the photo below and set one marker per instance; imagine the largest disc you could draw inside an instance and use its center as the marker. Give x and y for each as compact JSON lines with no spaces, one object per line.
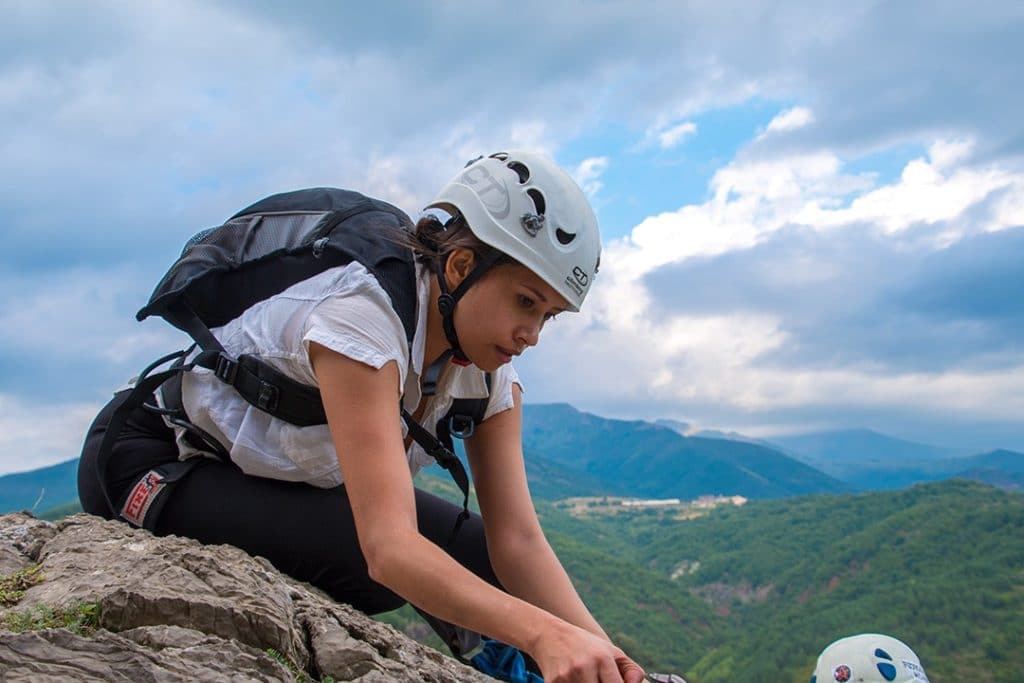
{"x":306,"y":532}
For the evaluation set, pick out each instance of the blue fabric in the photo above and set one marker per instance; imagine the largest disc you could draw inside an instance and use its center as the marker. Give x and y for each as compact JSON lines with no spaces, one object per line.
{"x":503,"y":662}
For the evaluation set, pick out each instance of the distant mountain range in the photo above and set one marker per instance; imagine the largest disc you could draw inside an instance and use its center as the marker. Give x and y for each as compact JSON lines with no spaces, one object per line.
{"x":686,"y":429}
{"x":39,"y":490}
{"x":573,"y":453}
{"x":870,"y":461}
{"x":637,"y":458}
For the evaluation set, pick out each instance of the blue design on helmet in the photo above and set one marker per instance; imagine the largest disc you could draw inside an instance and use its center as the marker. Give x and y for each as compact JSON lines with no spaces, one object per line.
{"x":887,"y":670}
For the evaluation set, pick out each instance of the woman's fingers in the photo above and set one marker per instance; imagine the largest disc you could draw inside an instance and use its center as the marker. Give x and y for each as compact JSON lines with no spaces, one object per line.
{"x":631,"y":671}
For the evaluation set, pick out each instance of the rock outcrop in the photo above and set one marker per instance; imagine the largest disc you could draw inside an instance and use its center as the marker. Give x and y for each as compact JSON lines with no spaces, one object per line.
{"x":171,"y":609}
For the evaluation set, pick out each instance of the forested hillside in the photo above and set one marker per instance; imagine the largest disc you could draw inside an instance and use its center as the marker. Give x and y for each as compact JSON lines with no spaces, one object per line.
{"x":940,"y":566}
{"x":753,"y":593}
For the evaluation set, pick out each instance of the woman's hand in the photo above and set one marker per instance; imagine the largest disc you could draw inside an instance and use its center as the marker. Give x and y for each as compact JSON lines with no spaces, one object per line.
{"x":630,"y":670}
{"x":569,"y":654}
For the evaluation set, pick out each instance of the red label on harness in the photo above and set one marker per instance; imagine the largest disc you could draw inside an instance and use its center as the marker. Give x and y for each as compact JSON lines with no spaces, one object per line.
{"x":142,"y":497}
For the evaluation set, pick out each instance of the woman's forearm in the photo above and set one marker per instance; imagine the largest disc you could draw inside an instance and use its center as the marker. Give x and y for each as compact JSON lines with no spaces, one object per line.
{"x":530,"y":570}
{"x":426,"y":576}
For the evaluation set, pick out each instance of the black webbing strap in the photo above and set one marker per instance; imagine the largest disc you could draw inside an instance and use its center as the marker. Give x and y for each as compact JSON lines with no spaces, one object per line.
{"x":173,"y":411}
{"x":444,"y":456}
{"x":257,"y":382}
{"x":185,"y":318}
{"x":433,"y":373}
{"x":144,"y":387}
{"x":447,"y":300}
{"x":266,"y":388}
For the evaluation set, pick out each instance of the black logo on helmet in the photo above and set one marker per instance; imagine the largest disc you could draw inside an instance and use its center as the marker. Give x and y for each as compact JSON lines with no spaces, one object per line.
{"x":580,"y":275}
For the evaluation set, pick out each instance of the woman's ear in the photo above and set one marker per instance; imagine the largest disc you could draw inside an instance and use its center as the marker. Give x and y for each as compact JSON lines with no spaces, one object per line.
{"x":458,"y":266}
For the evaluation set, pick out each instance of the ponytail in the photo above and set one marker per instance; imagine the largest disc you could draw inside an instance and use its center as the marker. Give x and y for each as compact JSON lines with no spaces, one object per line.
{"x":433,"y":240}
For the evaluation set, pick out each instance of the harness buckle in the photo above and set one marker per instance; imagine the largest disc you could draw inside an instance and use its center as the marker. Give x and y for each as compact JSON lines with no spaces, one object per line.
{"x":268,"y":397}
{"x":461,"y":426}
{"x":226,"y":369}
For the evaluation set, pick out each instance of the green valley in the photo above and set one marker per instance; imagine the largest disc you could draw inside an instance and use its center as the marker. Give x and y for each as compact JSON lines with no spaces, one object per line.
{"x":752,"y":593}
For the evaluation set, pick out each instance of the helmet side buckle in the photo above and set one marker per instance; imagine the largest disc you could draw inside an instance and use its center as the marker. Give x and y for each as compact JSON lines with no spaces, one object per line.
{"x":532,"y":223}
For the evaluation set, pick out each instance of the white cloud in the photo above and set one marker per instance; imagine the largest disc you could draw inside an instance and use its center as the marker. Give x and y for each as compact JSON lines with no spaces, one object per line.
{"x":37,"y":434}
{"x":126,"y":124}
{"x":791,"y":119}
{"x":674,"y":135}
{"x":1009,"y":210}
{"x":946,"y":153}
{"x":667,"y":133}
{"x":588,"y":175}
{"x":929,"y":192}
{"x":649,"y":355}
{"x":751,"y":199}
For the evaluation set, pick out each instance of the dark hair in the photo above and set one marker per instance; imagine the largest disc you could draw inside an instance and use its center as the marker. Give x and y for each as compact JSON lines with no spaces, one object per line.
{"x":433,"y":240}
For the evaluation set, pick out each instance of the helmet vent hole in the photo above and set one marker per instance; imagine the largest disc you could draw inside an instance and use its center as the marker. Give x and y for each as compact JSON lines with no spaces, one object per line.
{"x":564,"y":237}
{"x":521,"y":170}
{"x":538,"y":200}
{"x":500,"y":156}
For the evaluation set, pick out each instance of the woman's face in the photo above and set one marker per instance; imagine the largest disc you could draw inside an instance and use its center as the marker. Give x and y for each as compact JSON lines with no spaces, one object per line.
{"x":503,"y":313}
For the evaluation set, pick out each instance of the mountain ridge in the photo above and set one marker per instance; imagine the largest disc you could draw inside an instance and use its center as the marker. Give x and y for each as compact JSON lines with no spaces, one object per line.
{"x":570,"y":452}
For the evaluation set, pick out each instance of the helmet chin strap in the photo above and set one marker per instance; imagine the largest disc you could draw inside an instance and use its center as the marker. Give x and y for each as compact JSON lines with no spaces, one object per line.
{"x":446,"y":303}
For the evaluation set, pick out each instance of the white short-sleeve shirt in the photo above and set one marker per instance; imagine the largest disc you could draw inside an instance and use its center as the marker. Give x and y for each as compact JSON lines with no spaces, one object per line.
{"x":346,"y":310}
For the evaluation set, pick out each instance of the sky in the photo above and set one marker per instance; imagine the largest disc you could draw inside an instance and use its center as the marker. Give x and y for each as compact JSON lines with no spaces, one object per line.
{"x":812,"y":212}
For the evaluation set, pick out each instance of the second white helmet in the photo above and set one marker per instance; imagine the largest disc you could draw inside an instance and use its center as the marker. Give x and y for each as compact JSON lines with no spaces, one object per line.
{"x":868,"y":658}
{"x":524,"y":205}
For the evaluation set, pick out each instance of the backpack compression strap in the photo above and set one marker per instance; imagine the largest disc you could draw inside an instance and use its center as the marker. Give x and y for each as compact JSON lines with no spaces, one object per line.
{"x":459,"y":421}
{"x":145,"y":385}
{"x":445,"y":458}
{"x":257,"y":382}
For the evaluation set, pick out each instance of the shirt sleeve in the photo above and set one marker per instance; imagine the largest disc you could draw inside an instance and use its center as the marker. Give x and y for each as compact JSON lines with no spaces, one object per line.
{"x":362,"y":326}
{"x":501,"y":390}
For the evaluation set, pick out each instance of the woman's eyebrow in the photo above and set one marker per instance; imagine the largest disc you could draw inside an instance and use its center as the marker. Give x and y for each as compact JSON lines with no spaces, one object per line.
{"x":536,"y":293}
{"x":543,"y":299}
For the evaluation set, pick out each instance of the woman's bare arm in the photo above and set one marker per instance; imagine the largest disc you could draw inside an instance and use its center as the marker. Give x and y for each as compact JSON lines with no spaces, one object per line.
{"x":520,"y":554}
{"x":362,"y":406}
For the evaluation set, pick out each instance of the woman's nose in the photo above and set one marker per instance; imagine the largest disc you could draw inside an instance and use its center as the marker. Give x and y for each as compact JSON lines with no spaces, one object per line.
{"x":529,"y":335}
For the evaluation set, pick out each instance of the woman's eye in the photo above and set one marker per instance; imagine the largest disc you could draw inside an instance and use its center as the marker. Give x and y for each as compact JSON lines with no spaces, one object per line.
{"x":525,"y":301}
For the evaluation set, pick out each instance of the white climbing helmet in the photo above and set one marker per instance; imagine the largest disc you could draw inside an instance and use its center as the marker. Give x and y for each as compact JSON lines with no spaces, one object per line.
{"x":868,"y":658}
{"x":525,"y":206}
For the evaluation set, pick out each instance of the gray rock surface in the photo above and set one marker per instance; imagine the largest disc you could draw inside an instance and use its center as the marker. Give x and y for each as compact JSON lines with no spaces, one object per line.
{"x":171,"y":609}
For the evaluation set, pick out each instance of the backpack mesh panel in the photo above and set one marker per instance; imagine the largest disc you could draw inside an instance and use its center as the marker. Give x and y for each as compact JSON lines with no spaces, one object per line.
{"x":254,"y":237}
